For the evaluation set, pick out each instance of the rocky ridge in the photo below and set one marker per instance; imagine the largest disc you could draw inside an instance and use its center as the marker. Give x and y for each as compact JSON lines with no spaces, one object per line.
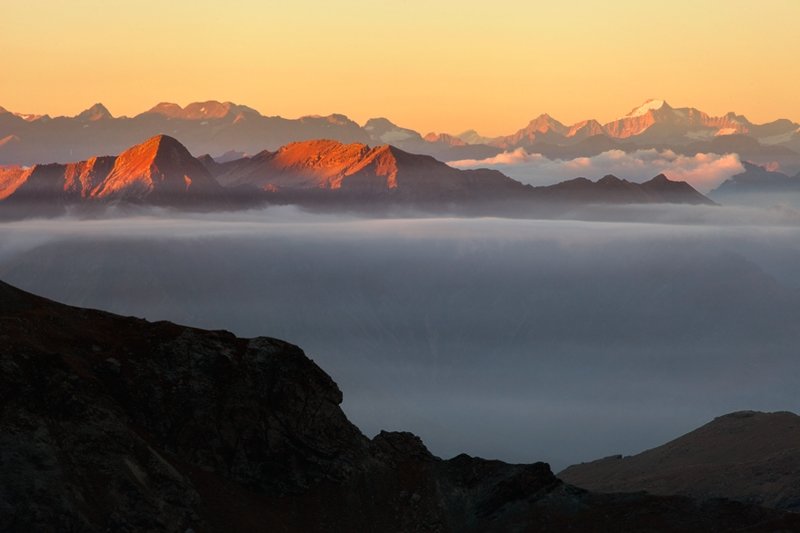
{"x":114,"y":423}
{"x":747,"y":456}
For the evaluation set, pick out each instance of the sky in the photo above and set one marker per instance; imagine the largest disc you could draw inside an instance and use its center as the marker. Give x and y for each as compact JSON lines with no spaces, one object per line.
{"x":448,"y":65}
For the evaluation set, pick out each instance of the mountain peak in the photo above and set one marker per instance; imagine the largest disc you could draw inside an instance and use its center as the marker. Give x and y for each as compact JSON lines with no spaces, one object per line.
{"x":379,"y":123}
{"x":96,"y":112}
{"x":649,"y":105}
{"x":661,"y":178}
{"x":158,"y":144}
{"x":609,"y":179}
{"x":211,"y":109}
{"x":383,"y":130}
{"x":168,"y":109}
{"x":161,"y":164}
{"x":545,"y":120}
{"x":208,"y":110}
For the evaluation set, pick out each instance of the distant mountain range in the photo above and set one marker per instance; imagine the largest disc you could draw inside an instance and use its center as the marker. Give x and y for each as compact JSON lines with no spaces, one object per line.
{"x":216,"y":128}
{"x":161,"y":171}
{"x":747,"y":456}
{"x":758,"y":185}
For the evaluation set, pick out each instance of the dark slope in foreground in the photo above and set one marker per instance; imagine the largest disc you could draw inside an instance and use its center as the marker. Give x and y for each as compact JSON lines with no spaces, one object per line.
{"x":117,"y":424}
{"x":746,"y":456}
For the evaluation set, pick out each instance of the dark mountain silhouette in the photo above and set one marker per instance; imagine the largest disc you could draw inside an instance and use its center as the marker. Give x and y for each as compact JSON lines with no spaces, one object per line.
{"x":757,"y":179}
{"x":746,"y":456}
{"x":611,"y":189}
{"x":113,"y":423}
{"x":757,"y":186}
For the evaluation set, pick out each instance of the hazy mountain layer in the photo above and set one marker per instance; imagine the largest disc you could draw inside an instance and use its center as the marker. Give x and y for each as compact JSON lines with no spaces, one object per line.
{"x":216,"y":128}
{"x":759,"y":186}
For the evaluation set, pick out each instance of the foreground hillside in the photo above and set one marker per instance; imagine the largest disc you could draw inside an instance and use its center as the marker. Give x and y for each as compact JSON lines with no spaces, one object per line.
{"x":117,"y":424}
{"x":746,"y":456}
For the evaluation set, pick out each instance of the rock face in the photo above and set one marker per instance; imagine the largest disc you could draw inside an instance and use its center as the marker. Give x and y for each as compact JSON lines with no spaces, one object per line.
{"x":117,"y":424}
{"x":746,"y":456}
{"x":325,"y":165}
{"x":159,"y":170}
{"x":358,"y":168}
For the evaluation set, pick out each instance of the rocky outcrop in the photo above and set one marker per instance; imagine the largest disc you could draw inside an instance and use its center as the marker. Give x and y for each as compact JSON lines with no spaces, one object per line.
{"x":118,"y":424}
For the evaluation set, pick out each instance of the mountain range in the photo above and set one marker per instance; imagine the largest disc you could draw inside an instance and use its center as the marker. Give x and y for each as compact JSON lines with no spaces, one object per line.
{"x":758,"y":185}
{"x":219,"y":127}
{"x":161,"y":171}
{"x":118,"y":424}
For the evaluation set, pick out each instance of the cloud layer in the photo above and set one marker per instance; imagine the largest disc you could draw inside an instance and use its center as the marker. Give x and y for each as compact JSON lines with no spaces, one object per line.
{"x":504,"y":338}
{"x":703,"y":171}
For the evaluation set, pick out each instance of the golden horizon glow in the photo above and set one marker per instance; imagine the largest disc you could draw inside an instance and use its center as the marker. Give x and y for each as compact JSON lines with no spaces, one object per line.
{"x":443,"y":66}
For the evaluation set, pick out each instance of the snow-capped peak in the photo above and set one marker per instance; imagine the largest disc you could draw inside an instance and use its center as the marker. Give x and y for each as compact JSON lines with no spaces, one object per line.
{"x":650,"y":105}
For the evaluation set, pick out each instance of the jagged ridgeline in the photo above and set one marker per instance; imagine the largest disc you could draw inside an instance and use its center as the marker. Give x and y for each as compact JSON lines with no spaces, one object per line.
{"x":162,"y":172}
{"x":224,"y":127}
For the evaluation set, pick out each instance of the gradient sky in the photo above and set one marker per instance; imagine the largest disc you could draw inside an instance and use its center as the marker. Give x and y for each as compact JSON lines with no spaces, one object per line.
{"x":443,"y":65}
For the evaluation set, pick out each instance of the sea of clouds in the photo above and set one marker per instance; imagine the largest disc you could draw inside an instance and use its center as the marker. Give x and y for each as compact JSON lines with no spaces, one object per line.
{"x":704,"y":172}
{"x":525,"y":340}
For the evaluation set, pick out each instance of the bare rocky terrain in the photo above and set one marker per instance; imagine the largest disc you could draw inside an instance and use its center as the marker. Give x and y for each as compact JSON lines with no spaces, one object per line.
{"x":110,"y":423}
{"x":746,"y":456}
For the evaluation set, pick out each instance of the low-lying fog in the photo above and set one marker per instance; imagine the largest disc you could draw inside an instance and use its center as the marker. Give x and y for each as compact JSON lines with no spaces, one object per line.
{"x":522,"y":340}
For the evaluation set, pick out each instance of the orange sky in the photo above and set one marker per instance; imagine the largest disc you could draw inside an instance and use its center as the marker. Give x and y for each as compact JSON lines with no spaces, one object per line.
{"x":444,"y":65}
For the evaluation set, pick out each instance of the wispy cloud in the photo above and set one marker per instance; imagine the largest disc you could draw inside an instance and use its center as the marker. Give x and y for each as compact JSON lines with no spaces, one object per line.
{"x":702,"y":171}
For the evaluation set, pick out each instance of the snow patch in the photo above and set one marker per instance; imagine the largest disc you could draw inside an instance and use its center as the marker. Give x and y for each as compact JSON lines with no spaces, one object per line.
{"x":650,"y":105}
